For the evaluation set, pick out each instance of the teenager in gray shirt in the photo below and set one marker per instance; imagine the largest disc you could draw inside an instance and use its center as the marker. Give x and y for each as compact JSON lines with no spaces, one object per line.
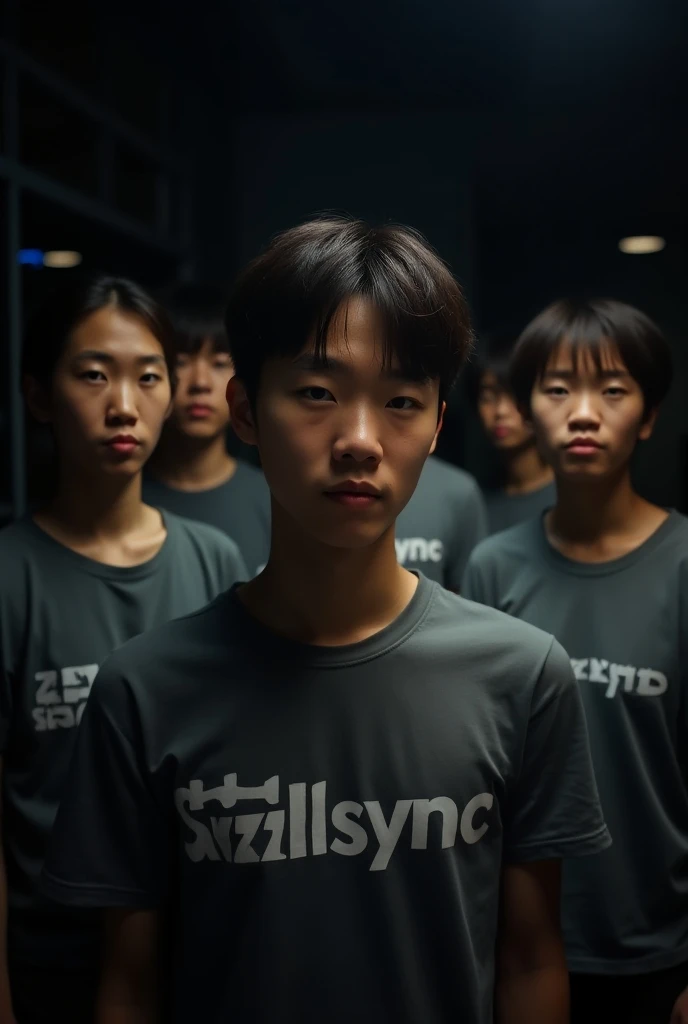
{"x":191,"y":471}
{"x":607,"y":573}
{"x":527,"y":484}
{"x":340,"y":792}
{"x":90,"y":569}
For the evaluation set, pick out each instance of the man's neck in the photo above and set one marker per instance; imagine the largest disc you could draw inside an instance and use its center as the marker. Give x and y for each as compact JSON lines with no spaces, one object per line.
{"x":191,"y":465}
{"x":601,"y":520}
{"x":318,"y":594}
{"x":526,"y":471}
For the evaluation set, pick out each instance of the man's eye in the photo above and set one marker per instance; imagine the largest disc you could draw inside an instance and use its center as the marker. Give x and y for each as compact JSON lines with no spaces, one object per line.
{"x":404,"y":403}
{"x":316,"y":394}
{"x":92,"y":375}
{"x":556,"y":390}
{"x":150,"y":378}
{"x":615,"y":392}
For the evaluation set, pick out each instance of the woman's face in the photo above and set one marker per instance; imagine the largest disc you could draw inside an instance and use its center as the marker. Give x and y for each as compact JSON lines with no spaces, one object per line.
{"x":500,"y":417}
{"x":110,"y":395}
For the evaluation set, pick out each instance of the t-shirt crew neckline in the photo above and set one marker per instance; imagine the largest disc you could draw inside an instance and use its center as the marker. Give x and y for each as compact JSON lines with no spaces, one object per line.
{"x":101,"y":569}
{"x":261,"y":638}
{"x":205,"y":492}
{"x":574,"y":568}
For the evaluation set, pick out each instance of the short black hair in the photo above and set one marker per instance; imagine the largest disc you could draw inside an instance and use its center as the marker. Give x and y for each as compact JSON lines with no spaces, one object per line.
{"x":492,"y":355}
{"x":293,"y":290}
{"x":588,"y":325}
{"x":49,"y":329}
{"x":197,"y":313}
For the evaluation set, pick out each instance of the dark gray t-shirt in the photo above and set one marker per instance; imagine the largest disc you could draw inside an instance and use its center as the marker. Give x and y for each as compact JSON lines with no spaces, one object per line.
{"x":61,"y":615}
{"x":625,"y":625}
{"x":240,"y":508}
{"x":441,"y":524}
{"x":507,"y":510}
{"x":330,"y":823}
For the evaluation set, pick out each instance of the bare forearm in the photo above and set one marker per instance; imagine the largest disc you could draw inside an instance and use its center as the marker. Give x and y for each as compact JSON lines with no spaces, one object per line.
{"x":538,"y":996}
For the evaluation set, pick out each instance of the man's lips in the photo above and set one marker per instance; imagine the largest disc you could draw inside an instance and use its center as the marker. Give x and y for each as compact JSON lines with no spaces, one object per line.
{"x":199,"y":411}
{"x":354,"y":494}
{"x":583,"y":446}
{"x":123,"y":444}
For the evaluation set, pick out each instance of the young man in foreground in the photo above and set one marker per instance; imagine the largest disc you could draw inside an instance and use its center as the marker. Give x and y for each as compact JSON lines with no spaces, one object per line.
{"x":338,"y":790}
{"x":607,"y":573}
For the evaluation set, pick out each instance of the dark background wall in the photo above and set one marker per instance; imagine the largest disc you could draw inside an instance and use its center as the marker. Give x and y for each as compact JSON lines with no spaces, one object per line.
{"x":523,"y":139}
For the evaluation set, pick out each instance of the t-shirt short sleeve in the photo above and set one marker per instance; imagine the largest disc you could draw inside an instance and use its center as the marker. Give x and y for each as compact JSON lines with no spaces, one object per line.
{"x":470,"y":530}
{"x":5,"y":705}
{"x":109,"y":844}
{"x":234,"y":568}
{"x":475,"y":581}
{"x":553,"y":810}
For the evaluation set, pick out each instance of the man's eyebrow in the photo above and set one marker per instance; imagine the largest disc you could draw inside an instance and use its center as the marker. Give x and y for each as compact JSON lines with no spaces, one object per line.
{"x":311,"y":363}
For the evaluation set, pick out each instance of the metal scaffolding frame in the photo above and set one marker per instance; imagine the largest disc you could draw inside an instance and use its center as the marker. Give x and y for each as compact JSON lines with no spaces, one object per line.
{"x":21,"y":180}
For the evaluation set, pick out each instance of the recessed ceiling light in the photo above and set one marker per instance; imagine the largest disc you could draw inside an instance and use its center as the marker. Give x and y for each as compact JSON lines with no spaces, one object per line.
{"x":61,"y":259}
{"x":640,"y":244}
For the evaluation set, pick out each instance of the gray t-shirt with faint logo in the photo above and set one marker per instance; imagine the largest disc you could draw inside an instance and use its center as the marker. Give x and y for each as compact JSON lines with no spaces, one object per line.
{"x":240,"y":508}
{"x":441,"y":524}
{"x":61,"y":615}
{"x":625,"y":625}
{"x":326,"y":826}
{"x":507,"y":510}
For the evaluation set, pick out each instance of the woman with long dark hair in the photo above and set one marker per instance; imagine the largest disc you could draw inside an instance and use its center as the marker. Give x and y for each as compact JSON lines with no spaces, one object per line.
{"x":91,"y":568}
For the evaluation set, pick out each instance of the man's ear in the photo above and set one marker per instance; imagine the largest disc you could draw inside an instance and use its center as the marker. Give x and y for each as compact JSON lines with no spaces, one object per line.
{"x":241,"y":414}
{"x":37,"y":398}
{"x":440,"y":424}
{"x":648,"y":425}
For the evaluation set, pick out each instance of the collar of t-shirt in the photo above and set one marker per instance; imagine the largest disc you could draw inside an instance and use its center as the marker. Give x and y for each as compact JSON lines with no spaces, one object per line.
{"x":261,"y":639}
{"x":572,"y":567}
{"x":115,"y":573}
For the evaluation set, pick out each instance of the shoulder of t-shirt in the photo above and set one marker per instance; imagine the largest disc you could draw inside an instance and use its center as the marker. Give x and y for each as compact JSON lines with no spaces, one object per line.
{"x":515,"y":544}
{"x":210,"y":538}
{"x":18,"y":543}
{"x":137,"y":663}
{"x":517,"y":645}
{"x":452,"y":478}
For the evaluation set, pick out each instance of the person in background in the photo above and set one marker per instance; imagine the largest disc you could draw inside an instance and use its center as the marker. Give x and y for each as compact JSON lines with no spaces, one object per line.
{"x":527,"y":485}
{"x":191,"y":472}
{"x":442,"y":523}
{"x":606,"y":572}
{"x":90,"y":569}
{"x":340,"y":792}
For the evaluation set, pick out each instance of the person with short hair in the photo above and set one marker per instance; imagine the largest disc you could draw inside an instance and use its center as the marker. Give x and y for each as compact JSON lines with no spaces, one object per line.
{"x":191,"y":472}
{"x":527,"y":485}
{"x":341,"y":792}
{"x":90,"y":569}
{"x":606,"y":572}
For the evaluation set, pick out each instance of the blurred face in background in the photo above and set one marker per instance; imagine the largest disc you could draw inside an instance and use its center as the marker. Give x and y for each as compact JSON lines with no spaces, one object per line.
{"x":200,"y":408}
{"x":501,"y":420}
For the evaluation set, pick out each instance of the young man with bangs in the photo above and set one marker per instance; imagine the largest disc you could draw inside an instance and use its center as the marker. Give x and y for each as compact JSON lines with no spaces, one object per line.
{"x":606,"y":572}
{"x":191,"y":473}
{"x":326,"y":788}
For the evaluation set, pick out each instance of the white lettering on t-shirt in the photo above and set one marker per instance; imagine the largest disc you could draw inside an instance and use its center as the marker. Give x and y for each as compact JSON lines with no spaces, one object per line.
{"x":645,"y":682}
{"x":281,"y":834}
{"x":61,"y":697}
{"x":417,"y":549}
